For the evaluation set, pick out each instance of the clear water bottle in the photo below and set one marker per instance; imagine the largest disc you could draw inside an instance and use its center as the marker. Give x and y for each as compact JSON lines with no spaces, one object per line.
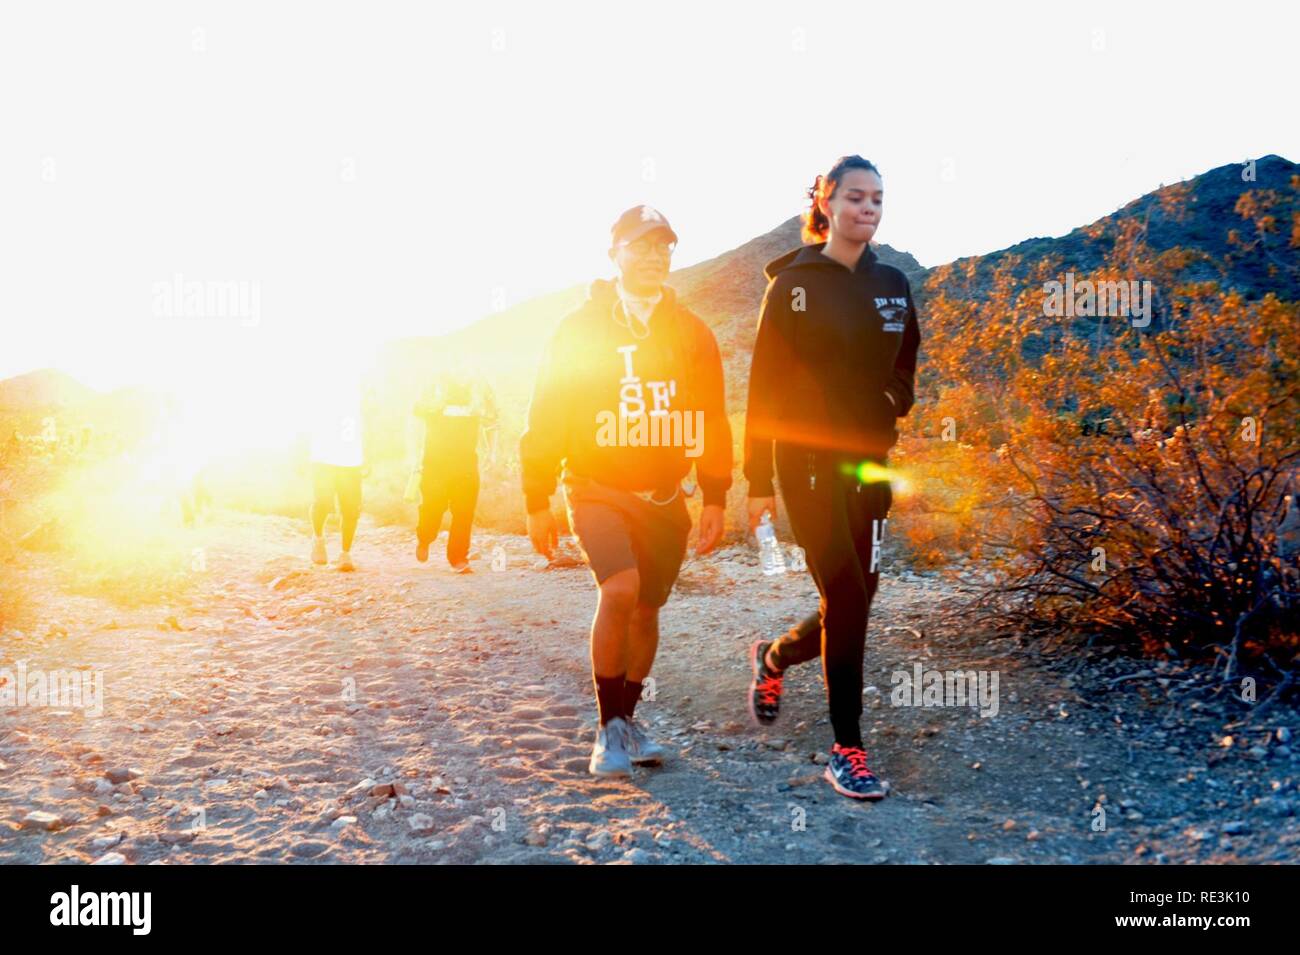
{"x":769,"y":549}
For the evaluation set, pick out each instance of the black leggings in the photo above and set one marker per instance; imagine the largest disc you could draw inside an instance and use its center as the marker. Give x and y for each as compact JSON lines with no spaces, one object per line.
{"x":839,"y":524}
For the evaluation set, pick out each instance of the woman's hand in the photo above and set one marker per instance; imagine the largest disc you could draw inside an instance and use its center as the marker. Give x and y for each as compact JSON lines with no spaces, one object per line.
{"x":757,"y":505}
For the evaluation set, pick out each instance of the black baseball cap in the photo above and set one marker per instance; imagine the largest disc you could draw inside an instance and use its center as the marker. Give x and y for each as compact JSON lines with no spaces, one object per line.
{"x":638,"y":221}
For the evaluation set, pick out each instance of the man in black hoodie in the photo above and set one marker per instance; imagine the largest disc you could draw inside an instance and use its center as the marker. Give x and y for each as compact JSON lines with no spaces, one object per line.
{"x":629,"y":396}
{"x":832,"y":370}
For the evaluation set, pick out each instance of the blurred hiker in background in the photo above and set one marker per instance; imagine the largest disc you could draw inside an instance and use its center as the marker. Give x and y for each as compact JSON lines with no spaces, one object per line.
{"x":458,"y":411}
{"x":338,"y":458}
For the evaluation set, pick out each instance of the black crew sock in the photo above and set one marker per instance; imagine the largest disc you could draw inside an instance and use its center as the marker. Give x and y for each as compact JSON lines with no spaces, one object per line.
{"x":609,"y":696}
{"x":631,"y":694}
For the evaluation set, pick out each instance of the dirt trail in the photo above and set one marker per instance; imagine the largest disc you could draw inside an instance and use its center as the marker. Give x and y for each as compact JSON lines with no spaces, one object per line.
{"x":405,"y":714}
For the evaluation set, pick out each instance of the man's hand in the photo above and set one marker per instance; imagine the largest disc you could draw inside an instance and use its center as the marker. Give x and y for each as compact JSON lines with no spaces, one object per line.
{"x":712,"y":522}
{"x":542,"y":532}
{"x":757,"y":505}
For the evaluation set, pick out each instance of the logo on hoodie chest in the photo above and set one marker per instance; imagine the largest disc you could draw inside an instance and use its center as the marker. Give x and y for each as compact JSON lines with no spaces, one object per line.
{"x":637,"y":397}
{"x":893,"y":312}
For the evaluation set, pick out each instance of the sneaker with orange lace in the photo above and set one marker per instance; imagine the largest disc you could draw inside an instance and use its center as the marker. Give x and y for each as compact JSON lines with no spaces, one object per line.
{"x":849,"y":774}
{"x":765,"y":688}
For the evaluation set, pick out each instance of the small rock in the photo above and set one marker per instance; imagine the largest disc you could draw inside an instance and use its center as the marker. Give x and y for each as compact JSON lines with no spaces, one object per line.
{"x":1236,"y":828}
{"x":308,"y":850}
{"x":420,"y":823}
{"x":1278,"y":806}
{"x":122,"y":775}
{"x":1000,"y":860}
{"x":42,"y":820}
{"x":111,"y":858}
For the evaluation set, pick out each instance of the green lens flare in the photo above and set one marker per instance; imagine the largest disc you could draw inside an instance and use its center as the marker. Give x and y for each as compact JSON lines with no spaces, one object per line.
{"x":868,"y":472}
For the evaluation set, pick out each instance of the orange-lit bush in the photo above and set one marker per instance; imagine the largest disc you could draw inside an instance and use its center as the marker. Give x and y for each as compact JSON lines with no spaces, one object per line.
{"x":1119,"y":477}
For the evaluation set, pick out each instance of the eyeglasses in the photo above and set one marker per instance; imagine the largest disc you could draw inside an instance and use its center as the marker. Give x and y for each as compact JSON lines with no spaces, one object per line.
{"x":644,"y":248}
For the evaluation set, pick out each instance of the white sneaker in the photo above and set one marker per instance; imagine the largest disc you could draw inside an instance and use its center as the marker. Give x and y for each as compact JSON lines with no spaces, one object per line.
{"x":345,"y":561}
{"x":318,"y":555}
{"x":643,"y":750}
{"x":609,"y":756}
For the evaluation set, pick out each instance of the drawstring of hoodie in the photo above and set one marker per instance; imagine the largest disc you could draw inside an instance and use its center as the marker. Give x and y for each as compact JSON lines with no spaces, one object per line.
{"x":627,"y":320}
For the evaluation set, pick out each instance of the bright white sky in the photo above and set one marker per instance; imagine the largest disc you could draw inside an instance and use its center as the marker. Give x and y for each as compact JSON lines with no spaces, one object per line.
{"x":379,"y":170}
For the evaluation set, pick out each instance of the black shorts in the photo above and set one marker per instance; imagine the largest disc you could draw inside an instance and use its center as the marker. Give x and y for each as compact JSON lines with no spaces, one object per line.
{"x":619,"y":530}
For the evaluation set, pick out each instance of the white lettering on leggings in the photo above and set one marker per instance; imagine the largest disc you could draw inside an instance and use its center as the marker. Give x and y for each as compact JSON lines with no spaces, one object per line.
{"x":877,"y":537}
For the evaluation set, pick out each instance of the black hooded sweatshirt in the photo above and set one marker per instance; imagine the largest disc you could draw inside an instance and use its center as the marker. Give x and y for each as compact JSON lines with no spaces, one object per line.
{"x":596,"y":370}
{"x":834,"y":362}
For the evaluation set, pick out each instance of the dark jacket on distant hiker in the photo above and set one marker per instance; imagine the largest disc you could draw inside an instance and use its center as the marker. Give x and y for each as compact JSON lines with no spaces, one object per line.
{"x":834,"y":361}
{"x":596,"y":368}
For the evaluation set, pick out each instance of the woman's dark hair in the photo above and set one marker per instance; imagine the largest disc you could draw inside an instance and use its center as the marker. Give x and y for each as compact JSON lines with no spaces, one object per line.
{"x":816,"y":227}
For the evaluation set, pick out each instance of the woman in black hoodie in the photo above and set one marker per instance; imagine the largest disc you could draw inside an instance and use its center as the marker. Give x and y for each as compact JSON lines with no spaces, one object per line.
{"x":832,"y":370}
